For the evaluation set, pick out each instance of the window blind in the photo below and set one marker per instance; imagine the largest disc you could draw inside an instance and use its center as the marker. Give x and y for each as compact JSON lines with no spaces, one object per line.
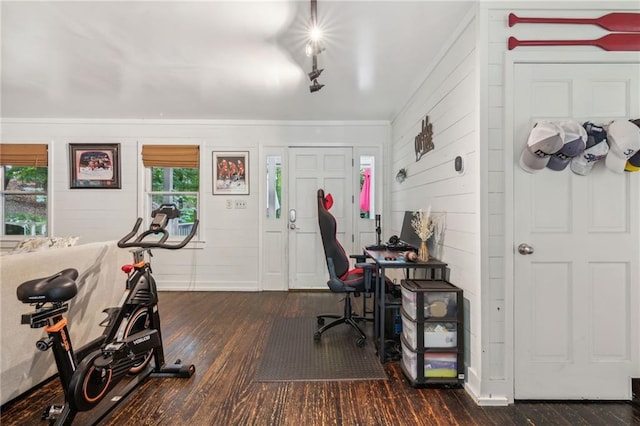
{"x":22,"y":154}
{"x":171,"y":156}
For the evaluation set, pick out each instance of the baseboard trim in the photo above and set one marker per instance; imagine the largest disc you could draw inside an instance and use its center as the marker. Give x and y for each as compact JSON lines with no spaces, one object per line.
{"x":207,"y":286}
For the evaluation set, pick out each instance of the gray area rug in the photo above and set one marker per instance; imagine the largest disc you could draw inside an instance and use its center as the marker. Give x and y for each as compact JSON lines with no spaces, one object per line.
{"x":291,"y":354}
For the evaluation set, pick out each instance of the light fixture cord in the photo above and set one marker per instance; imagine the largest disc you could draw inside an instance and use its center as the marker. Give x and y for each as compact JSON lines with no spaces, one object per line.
{"x":314,"y":13}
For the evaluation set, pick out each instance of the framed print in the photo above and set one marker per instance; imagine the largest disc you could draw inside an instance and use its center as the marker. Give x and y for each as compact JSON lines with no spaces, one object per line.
{"x":94,"y":166}
{"x":231,"y":173}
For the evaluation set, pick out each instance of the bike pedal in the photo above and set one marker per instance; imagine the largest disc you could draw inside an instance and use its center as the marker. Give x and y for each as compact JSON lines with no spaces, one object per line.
{"x":52,"y":412}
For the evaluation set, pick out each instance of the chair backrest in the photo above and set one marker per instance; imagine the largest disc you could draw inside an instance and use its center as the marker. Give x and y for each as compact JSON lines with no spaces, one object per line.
{"x":332,"y":247}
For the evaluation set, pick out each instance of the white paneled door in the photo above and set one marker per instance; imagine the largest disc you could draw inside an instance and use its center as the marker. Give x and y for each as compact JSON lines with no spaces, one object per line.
{"x":310,"y":169}
{"x":576,"y":295}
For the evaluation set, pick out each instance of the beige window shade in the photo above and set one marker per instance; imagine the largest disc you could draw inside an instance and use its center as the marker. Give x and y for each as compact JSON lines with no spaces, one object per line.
{"x":22,"y":154}
{"x":171,"y":156}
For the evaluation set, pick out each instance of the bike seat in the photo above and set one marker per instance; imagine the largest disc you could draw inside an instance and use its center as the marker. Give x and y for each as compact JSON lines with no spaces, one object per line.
{"x":59,"y":287}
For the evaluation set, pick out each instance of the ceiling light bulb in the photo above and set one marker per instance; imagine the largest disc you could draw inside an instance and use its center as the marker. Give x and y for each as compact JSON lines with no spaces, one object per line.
{"x":315,"y":86}
{"x":315,"y":34}
{"x":315,"y":73}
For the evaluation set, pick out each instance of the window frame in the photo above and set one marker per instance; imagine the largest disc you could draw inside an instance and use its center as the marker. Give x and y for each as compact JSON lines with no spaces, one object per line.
{"x":147,"y":193}
{"x":35,"y":153}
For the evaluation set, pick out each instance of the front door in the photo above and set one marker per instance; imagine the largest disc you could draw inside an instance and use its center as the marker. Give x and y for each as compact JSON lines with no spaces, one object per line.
{"x":309,"y":170}
{"x":576,"y":296}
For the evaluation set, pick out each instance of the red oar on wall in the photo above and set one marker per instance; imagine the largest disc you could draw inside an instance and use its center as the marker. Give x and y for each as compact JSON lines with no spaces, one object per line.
{"x":612,"y":42}
{"x":623,"y":22}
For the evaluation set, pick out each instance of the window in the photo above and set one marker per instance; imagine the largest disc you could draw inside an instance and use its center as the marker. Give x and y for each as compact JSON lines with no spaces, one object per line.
{"x":274,"y":186}
{"x":173,"y":177}
{"x":367,"y":190}
{"x":23,"y":189}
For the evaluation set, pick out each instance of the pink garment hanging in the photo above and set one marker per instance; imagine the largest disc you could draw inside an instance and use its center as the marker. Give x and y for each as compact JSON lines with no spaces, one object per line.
{"x":365,"y":196}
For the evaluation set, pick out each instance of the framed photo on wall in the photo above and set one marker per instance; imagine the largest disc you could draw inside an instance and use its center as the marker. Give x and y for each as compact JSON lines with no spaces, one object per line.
{"x":230,"y":173}
{"x":95,"y":166}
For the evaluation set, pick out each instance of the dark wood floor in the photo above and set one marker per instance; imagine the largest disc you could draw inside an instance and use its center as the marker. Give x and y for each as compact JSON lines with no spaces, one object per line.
{"x":223,"y":333}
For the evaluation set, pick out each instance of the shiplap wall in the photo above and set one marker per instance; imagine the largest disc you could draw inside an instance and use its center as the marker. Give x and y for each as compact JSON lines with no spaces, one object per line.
{"x":229,"y":258}
{"x":449,"y":96}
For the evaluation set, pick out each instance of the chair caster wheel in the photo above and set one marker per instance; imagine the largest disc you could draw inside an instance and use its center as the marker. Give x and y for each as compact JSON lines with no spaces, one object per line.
{"x":316,"y":336}
{"x":320,"y":321}
{"x":360,"y":342}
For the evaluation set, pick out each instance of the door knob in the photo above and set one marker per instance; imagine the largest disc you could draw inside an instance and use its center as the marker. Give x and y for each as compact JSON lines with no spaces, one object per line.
{"x":525,"y":249}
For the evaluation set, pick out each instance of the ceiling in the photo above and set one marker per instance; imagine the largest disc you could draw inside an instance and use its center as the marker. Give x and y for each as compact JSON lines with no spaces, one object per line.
{"x":216,"y":59}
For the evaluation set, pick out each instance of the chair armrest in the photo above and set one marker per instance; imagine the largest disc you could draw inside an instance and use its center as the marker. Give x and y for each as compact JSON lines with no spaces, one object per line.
{"x":358,"y":257}
{"x":368,"y":269}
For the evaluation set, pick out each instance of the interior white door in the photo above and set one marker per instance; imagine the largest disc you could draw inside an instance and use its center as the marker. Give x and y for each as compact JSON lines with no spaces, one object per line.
{"x":310,"y":169}
{"x":576,"y":296}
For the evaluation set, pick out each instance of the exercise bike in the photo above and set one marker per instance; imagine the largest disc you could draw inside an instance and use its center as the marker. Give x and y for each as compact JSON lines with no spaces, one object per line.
{"x":131,"y":337}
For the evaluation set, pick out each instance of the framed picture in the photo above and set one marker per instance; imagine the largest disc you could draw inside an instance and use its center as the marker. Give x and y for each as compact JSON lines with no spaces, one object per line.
{"x":94,"y":166}
{"x":231,"y":173}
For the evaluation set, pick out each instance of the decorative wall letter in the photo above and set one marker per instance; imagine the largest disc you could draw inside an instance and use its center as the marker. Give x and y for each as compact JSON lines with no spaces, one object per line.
{"x":424,"y":140}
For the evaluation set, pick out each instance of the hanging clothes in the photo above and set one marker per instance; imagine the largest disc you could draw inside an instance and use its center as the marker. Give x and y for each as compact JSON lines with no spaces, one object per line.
{"x":365,"y":193}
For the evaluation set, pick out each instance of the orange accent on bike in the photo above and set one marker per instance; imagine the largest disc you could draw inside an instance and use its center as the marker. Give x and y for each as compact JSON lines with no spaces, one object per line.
{"x":65,"y":341}
{"x":56,"y":327}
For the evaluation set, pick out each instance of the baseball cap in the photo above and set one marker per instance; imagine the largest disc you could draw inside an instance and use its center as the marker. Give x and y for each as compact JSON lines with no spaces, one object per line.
{"x":595,"y":150}
{"x":545,"y":139}
{"x":575,"y":141}
{"x":624,"y":141}
{"x":633,"y":163}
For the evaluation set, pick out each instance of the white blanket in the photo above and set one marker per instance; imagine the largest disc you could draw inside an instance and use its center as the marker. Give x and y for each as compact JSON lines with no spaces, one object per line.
{"x":100,"y":285}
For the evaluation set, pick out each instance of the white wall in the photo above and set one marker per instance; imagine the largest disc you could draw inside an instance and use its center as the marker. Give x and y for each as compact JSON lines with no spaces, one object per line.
{"x":229,"y":258}
{"x":449,"y":95}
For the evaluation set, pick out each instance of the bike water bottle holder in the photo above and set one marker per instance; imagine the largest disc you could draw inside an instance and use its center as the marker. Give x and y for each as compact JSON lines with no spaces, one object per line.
{"x":112,"y":315}
{"x":39,"y":318}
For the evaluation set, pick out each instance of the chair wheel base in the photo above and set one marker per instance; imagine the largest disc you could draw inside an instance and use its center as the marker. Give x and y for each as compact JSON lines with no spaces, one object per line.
{"x":320,"y":321}
{"x":360,"y":342}
{"x":316,"y":336}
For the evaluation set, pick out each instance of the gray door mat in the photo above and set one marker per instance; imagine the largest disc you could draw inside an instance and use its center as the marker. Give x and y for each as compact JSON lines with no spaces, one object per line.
{"x":291,"y":354}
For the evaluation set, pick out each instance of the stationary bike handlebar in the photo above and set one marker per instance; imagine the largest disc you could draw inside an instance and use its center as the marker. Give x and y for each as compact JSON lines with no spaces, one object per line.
{"x":158,"y":226}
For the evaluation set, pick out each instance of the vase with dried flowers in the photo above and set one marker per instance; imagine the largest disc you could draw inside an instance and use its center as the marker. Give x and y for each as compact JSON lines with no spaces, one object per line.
{"x":423,"y":226}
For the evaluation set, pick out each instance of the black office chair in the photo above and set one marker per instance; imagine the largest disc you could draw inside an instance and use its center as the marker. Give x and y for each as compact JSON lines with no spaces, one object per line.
{"x":341,"y":278}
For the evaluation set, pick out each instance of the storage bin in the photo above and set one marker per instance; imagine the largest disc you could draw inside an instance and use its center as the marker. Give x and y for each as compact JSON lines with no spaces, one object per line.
{"x":436,"y":334}
{"x":436,"y":364}
{"x":437,"y":303}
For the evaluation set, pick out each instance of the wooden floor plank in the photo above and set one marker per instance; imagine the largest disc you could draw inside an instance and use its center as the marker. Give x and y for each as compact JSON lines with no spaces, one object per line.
{"x":224,"y":334}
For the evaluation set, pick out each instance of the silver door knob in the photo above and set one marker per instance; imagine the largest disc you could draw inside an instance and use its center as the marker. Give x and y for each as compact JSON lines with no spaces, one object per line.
{"x":292,"y":226}
{"x":525,"y":249}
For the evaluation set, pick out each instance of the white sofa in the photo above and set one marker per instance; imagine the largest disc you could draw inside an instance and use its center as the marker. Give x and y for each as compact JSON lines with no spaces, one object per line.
{"x":100,"y":285}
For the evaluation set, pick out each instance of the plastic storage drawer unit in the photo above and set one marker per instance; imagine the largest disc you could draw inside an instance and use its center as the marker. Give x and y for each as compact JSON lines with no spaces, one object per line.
{"x":432,"y":332}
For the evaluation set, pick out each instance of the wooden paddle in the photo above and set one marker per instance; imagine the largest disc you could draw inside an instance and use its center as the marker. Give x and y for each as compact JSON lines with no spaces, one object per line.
{"x":612,"y":42}
{"x":624,"y":22}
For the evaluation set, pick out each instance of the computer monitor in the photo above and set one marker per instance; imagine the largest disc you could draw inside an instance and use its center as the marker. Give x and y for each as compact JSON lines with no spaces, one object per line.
{"x":408,"y":234}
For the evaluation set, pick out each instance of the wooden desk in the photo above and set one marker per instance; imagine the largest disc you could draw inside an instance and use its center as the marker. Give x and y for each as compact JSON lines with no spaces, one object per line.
{"x":385,"y":259}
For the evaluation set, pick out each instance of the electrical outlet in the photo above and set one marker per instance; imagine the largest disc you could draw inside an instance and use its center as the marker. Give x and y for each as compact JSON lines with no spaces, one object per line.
{"x":229,"y":204}
{"x":241,"y":204}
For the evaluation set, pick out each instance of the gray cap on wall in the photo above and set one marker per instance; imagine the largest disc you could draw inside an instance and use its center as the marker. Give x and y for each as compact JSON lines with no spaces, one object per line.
{"x":545,"y":138}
